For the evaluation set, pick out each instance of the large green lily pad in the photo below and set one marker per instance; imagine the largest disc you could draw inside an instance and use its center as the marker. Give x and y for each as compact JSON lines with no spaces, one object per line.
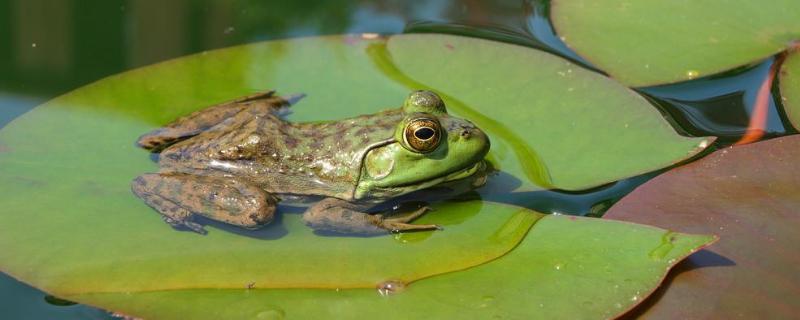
{"x":566,"y":127}
{"x":748,"y":195}
{"x":789,"y":80}
{"x":567,"y":267}
{"x":71,"y":226}
{"x":643,"y":43}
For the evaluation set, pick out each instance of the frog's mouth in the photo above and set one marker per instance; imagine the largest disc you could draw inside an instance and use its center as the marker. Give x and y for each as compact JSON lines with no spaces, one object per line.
{"x":383,"y":193}
{"x":466,"y":173}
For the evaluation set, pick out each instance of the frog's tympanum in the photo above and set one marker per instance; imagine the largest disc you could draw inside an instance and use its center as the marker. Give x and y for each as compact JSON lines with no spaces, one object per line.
{"x":234,"y":161}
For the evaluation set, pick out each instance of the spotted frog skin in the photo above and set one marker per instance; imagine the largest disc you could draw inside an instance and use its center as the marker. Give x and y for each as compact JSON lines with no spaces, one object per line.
{"x":233,"y":162}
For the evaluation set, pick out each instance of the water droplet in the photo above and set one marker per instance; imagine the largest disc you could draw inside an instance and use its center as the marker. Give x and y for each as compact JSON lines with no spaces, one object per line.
{"x":691,"y":74}
{"x":558,"y":266}
{"x":390,"y":287}
{"x":271,"y":314}
{"x":33,"y":45}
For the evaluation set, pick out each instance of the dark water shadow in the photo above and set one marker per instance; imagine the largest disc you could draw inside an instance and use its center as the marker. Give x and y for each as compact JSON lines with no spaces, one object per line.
{"x":273,"y":231}
{"x":719,"y":105}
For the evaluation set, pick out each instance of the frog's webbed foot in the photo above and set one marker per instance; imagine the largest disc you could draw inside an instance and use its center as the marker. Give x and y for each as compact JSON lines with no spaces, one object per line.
{"x":184,"y":223}
{"x":179,"y":196}
{"x":204,"y":119}
{"x":340,"y":216}
{"x":401,"y":223}
{"x":173,"y":214}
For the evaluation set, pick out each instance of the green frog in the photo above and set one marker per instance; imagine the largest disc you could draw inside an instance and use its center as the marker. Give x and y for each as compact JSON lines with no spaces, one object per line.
{"x":234,"y":161}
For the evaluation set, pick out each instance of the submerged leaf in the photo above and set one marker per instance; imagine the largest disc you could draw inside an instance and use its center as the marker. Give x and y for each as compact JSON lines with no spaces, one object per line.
{"x":748,"y":195}
{"x":643,"y":43}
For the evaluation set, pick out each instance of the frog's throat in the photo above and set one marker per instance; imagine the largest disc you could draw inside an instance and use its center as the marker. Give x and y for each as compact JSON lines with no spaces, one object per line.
{"x":361,"y":193}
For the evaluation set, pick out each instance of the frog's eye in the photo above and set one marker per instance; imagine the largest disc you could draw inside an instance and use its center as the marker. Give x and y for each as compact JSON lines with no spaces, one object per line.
{"x":422,"y":135}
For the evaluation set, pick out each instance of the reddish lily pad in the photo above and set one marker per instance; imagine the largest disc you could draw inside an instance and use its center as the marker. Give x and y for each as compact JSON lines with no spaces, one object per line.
{"x":748,"y":195}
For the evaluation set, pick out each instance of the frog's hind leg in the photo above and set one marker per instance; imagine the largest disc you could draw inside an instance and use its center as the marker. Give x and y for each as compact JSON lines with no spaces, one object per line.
{"x":201,"y":120}
{"x":340,"y":216}
{"x":179,"y":196}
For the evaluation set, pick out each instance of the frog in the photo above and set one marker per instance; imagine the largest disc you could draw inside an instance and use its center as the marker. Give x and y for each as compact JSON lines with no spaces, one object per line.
{"x":234,"y":162}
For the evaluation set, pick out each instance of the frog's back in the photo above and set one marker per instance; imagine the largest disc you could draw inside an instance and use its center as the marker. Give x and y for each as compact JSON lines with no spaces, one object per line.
{"x":305,"y":159}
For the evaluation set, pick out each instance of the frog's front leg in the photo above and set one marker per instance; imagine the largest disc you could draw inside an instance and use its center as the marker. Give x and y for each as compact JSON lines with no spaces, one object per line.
{"x":340,"y":216}
{"x":178,"y":196}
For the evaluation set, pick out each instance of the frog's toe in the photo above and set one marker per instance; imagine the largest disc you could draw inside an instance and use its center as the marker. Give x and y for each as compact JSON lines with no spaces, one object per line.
{"x":401,"y":223}
{"x":185,"y":224}
{"x":411,"y":216}
{"x":396,"y":226}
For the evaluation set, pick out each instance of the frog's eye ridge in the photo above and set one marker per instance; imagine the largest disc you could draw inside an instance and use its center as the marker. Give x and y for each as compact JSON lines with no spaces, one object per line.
{"x":422,"y":135}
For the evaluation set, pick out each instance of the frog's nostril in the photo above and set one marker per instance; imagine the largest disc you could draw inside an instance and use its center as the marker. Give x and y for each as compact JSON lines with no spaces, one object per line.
{"x":465,"y":133}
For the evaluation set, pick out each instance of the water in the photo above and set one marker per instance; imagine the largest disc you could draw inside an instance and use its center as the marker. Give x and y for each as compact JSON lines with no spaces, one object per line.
{"x":55,"y":46}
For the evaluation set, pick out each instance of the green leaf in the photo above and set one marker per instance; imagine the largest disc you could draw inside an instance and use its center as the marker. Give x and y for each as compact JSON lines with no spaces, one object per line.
{"x":789,"y":80}
{"x":748,"y":195}
{"x":551,"y":121}
{"x":643,"y":43}
{"x":71,"y":226}
{"x":578,"y":268}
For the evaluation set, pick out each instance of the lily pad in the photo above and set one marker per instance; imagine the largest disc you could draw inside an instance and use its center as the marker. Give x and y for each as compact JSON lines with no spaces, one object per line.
{"x":71,"y":226}
{"x":566,"y":127}
{"x":567,"y":267}
{"x":748,"y":195}
{"x":643,"y":43}
{"x":790,"y":86}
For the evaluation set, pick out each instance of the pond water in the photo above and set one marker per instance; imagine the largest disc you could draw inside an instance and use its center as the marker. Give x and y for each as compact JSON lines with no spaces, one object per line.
{"x":57,"y":46}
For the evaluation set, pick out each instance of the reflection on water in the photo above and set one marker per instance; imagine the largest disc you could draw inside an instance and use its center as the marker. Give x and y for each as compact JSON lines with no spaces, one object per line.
{"x":54,"y":46}
{"x":719,"y":105}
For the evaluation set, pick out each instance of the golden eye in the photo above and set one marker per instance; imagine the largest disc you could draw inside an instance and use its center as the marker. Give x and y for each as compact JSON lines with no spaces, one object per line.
{"x":422,"y":135}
